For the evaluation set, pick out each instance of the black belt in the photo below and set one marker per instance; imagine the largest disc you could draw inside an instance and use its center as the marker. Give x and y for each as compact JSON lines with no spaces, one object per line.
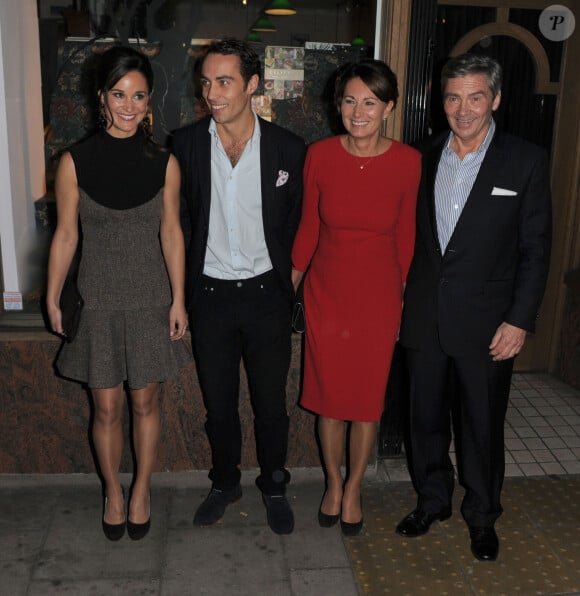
{"x":249,"y":282}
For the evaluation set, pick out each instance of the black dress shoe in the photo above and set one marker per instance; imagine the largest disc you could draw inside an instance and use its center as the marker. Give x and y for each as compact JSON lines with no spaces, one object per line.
{"x":279,"y":514}
{"x":484,"y":543}
{"x":351,"y":529}
{"x":327,"y":521}
{"x":418,"y":522}
{"x":214,"y":505}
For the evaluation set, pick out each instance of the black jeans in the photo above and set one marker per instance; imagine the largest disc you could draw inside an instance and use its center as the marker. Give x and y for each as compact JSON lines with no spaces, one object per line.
{"x":248,"y":319}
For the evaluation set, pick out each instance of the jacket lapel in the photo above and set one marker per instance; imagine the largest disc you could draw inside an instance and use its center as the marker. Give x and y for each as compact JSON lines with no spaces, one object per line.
{"x":203,"y":168}
{"x":431,"y":164}
{"x":478,"y":198}
{"x":267,"y":166}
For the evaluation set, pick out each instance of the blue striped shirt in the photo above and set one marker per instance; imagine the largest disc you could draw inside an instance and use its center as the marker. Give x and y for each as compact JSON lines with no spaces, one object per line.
{"x":453,"y":183}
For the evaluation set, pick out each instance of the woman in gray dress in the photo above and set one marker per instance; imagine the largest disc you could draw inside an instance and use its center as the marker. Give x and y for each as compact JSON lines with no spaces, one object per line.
{"x":124,"y":189}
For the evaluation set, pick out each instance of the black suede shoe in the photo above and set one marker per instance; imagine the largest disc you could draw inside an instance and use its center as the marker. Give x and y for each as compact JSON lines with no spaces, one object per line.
{"x":327,"y":521}
{"x":214,"y":506}
{"x":418,"y":522}
{"x":113,"y":532}
{"x":279,"y":513}
{"x":484,"y":543}
{"x":138,"y":531}
{"x":351,"y":529}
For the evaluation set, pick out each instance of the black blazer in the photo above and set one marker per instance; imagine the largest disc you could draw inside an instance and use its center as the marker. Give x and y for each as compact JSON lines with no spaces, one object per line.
{"x":281,"y":151}
{"x":496,"y":263}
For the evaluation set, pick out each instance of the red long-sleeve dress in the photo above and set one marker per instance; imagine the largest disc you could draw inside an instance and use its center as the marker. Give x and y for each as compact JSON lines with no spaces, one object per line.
{"x":356,"y":234}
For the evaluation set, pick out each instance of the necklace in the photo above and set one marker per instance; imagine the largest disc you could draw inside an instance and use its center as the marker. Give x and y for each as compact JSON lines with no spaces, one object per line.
{"x":360,"y":163}
{"x":365,"y":163}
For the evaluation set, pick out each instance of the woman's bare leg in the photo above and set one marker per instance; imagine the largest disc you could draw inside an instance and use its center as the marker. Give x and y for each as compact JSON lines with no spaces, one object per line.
{"x":146,"y":428}
{"x":331,"y":433}
{"x":362,"y":440}
{"x":108,"y":441}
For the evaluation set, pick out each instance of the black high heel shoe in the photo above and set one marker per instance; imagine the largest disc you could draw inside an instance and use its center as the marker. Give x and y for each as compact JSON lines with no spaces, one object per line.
{"x":138,"y":531}
{"x":113,"y":532}
{"x":324,"y":519}
{"x":351,"y":529}
{"x":327,"y":521}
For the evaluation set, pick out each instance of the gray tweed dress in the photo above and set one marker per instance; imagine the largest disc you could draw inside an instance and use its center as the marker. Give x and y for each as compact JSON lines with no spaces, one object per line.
{"x":123,"y":335}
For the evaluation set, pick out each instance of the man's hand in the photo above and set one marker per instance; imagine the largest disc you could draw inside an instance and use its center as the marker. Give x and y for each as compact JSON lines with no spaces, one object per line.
{"x":507,"y":342}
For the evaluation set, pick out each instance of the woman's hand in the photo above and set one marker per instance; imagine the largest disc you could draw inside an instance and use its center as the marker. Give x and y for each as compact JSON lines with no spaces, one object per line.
{"x":55,"y":318}
{"x":177,"y":322}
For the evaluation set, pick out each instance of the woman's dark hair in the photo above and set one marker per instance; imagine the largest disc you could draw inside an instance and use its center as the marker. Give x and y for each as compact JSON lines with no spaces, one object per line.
{"x":118,"y":62}
{"x":249,"y":61}
{"x":375,"y":74}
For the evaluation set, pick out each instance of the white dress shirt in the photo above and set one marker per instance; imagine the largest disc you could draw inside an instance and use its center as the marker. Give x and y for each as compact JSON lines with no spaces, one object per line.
{"x":236,"y":245}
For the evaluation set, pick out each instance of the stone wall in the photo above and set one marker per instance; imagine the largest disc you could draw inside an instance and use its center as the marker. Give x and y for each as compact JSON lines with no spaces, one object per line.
{"x":45,"y":420}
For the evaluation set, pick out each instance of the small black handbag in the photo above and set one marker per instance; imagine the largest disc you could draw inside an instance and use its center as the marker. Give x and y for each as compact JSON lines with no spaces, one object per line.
{"x":71,"y":305}
{"x":298,"y":316}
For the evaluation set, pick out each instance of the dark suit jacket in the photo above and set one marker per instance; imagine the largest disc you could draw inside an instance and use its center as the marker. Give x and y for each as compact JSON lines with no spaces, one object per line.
{"x":496,"y":263}
{"x":280,"y":151}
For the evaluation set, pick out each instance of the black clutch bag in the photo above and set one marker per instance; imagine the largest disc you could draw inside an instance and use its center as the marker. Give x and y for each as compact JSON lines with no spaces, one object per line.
{"x":298,"y":317}
{"x":71,"y":306}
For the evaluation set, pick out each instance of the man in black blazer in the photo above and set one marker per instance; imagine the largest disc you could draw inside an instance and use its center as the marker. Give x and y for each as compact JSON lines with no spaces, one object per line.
{"x":242,"y":184}
{"x":476,"y":282}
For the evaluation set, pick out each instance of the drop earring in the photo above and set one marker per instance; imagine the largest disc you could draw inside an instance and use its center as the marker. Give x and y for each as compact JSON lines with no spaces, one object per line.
{"x":103,"y":121}
{"x":146,"y":125}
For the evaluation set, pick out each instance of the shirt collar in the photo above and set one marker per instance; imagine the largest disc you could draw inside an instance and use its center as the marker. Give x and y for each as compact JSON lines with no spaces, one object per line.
{"x":255,"y":135}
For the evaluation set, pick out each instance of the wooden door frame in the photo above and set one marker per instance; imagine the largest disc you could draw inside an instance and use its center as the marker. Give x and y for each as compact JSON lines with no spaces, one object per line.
{"x":542,"y":348}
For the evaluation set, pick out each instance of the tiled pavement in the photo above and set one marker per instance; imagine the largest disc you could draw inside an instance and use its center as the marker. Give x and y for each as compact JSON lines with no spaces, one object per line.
{"x":542,"y":431}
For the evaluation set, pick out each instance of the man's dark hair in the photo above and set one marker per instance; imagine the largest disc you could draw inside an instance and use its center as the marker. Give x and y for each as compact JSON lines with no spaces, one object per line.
{"x":249,"y":61}
{"x":473,"y":64}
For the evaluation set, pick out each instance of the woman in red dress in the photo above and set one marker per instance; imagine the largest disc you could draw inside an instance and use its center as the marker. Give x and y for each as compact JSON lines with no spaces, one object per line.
{"x":356,"y":239}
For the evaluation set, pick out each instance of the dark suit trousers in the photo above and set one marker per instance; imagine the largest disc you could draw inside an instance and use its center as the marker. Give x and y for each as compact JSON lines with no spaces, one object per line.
{"x":477,"y":389}
{"x":247,"y":319}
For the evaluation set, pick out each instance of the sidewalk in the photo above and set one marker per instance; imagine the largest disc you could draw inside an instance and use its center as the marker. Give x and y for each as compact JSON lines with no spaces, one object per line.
{"x":51,"y":542}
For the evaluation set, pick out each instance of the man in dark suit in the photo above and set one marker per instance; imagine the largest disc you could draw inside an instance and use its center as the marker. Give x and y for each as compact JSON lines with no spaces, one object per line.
{"x":476,"y":282}
{"x":242,"y":184}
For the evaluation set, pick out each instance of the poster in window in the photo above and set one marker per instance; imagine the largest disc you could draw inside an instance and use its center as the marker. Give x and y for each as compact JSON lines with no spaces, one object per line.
{"x":284,"y":72}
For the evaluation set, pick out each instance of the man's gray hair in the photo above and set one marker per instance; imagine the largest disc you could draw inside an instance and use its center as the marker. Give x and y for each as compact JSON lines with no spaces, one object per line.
{"x":470,"y":64}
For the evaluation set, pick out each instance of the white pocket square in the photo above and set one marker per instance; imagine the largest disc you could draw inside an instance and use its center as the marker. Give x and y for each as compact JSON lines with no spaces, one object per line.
{"x":503,"y":192}
{"x":282,"y":178}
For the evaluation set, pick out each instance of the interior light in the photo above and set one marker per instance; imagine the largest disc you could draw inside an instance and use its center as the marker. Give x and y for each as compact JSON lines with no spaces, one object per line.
{"x":264,"y":25}
{"x":280,"y":8}
{"x":253,"y":37}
